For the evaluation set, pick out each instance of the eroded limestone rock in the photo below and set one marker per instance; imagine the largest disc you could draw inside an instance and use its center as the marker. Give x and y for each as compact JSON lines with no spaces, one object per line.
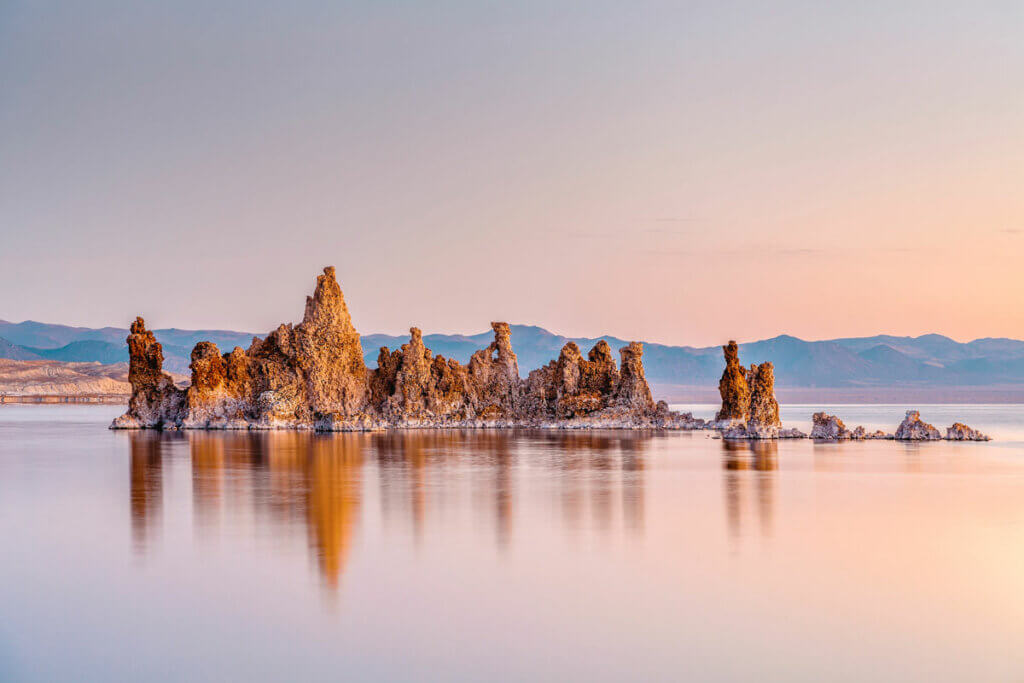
{"x":329,"y":353}
{"x":961,"y":432}
{"x":733,"y":387}
{"x":830,"y":427}
{"x":494,"y":377}
{"x":764,"y":422}
{"x":155,"y":402}
{"x":913,"y":428}
{"x":633,"y":392}
{"x":571,"y":386}
{"x":219,"y":390}
{"x":861,"y":434}
{"x":749,"y":408}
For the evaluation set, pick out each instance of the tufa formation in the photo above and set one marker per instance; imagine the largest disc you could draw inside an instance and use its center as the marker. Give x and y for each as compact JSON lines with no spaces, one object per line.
{"x":749,"y":408}
{"x":312,"y":376}
{"x":733,"y":387}
{"x":830,"y":428}
{"x":913,"y":428}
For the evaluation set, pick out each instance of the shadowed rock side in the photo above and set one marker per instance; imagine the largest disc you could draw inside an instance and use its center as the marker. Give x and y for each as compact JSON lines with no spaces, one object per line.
{"x":312,"y":376}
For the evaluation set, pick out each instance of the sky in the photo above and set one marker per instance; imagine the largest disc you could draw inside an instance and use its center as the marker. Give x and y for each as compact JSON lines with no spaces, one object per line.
{"x":680,"y":172}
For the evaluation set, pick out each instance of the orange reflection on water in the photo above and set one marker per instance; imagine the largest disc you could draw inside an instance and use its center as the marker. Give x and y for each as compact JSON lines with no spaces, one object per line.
{"x":146,"y":486}
{"x":745,"y":465}
{"x":317,"y":480}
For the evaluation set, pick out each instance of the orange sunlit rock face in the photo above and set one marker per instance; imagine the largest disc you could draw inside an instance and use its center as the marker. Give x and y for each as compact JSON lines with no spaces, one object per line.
{"x":312,"y":376}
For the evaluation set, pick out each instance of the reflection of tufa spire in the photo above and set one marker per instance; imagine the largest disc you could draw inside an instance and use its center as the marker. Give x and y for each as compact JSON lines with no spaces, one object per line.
{"x":310,"y":485}
{"x":633,"y":484}
{"x":334,"y":492}
{"x":762,"y":458}
{"x":146,"y":486}
{"x":207,"y":478}
{"x":297,"y":477}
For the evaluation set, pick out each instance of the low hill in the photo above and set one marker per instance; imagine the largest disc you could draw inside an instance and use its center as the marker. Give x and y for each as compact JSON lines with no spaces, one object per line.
{"x":86,"y":351}
{"x":55,"y":378}
{"x":15,"y":352}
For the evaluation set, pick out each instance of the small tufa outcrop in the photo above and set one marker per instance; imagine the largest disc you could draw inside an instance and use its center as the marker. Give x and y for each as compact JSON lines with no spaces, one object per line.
{"x":961,"y":432}
{"x":913,"y":428}
{"x":733,"y":388}
{"x":861,"y":434}
{"x":830,"y":427}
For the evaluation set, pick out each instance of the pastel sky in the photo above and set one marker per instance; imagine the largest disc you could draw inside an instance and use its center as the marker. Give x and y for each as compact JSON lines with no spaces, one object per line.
{"x":683,"y":172}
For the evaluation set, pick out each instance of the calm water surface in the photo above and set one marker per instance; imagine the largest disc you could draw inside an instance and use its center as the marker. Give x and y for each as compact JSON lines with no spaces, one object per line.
{"x":488,"y":556}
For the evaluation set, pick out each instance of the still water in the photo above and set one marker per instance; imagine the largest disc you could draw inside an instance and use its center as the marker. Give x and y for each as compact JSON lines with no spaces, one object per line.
{"x":491,"y":556}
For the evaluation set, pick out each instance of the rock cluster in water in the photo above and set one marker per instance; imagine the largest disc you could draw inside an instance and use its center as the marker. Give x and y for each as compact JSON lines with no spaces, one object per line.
{"x":312,"y":376}
{"x":961,"y":432}
{"x":831,"y":428}
{"x":913,"y":428}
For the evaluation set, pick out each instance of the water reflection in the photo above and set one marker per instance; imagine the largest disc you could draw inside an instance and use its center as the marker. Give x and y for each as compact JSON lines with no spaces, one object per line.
{"x":283,"y":481}
{"x":749,"y":465}
{"x":146,"y":487}
{"x":290,"y":477}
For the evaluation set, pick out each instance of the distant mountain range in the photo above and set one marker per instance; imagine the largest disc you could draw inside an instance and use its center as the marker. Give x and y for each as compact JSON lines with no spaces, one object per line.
{"x":930,"y":360}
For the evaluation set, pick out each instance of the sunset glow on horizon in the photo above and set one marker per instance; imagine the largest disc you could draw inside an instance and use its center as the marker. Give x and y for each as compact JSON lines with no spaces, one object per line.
{"x":678,"y":173}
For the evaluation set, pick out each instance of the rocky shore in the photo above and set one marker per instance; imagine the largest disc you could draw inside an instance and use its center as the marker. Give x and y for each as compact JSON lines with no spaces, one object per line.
{"x":312,"y":376}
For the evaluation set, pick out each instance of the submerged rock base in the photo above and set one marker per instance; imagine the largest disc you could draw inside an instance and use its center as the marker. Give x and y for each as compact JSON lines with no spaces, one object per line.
{"x":312,"y":376}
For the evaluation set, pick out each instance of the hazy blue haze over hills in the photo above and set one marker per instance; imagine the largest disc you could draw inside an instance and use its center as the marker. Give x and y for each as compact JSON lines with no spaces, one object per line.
{"x":878,"y":361}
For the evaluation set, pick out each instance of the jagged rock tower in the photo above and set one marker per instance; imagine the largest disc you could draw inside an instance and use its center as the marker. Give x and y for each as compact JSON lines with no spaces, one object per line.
{"x":733,"y":387}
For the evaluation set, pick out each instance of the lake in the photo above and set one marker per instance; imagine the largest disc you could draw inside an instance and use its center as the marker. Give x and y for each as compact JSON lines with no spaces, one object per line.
{"x":509,"y":555}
